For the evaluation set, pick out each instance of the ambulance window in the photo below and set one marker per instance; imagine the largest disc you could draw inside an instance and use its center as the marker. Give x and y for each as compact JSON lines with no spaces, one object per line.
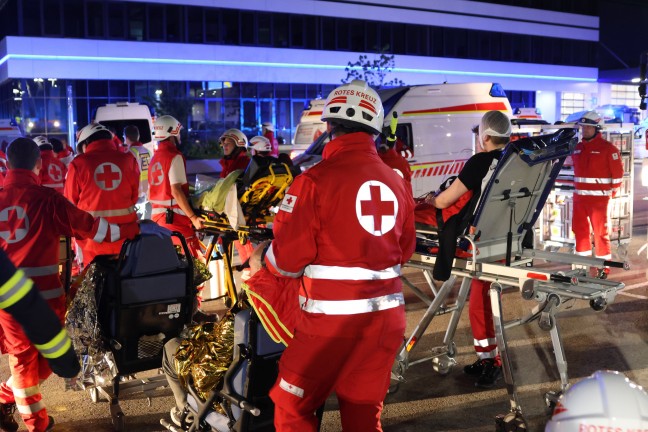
{"x":403,"y":137}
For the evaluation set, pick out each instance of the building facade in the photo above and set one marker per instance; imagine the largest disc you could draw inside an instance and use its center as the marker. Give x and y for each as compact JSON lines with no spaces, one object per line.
{"x":239,"y":64}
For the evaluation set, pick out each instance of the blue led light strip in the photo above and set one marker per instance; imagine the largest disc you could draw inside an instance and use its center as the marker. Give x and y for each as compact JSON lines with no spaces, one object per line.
{"x":273,"y":65}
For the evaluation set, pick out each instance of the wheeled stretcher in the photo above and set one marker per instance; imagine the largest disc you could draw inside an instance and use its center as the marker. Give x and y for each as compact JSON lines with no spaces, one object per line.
{"x":511,"y":202}
{"x":243,"y":394}
{"x":143,"y":299}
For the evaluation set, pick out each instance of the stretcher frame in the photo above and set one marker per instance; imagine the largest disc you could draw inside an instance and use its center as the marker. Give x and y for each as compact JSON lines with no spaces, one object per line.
{"x":509,"y":189}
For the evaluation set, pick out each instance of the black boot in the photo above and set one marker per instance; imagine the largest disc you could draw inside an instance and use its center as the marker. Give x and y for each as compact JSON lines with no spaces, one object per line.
{"x":7,"y":420}
{"x":491,"y":373}
{"x":474,"y":369}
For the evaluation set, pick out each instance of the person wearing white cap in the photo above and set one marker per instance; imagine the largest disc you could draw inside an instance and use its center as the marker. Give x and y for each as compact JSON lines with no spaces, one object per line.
{"x":493,"y":134}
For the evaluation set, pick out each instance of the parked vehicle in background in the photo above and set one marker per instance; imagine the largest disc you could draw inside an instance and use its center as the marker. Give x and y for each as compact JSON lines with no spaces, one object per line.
{"x":9,"y":131}
{"x":121,"y":114}
{"x":310,"y":127}
{"x":434,"y":131}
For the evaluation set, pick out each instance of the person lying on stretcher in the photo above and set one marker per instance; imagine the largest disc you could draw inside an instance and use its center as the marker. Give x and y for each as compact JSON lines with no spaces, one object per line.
{"x":450,"y":210}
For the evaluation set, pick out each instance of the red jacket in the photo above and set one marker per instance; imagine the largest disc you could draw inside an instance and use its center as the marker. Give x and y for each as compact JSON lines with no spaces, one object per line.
{"x":32,"y":220}
{"x":347,"y":224}
{"x":240,"y":161}
{"x":273,"y":141}
{"x":53,"y":172}
{"x":598,"y":169}
{"x":105,"y":183}
{"x":160,"y":195}
{"x":397,"y":163}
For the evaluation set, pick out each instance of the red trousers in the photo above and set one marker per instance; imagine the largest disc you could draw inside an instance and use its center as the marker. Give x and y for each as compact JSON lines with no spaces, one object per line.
{"x":28,"y":370}
{"x":481,"y":320}
{"x":594,"y":211}
{"x":357,"y":369}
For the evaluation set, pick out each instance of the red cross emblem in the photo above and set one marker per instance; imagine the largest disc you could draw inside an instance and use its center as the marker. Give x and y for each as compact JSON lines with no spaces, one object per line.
{"x":55,"y":172}
{"x":376,"y":207}
{"x":14,"y":224}
{"x":107,"y":176}
{"x":156,"y":175}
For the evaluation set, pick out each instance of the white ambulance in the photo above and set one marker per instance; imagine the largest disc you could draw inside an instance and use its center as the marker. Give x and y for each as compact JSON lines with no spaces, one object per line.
{"x":434,"y":127}
{"x":310,"y":127}
{"x":9,"y":131}
{"x":121,"y":114}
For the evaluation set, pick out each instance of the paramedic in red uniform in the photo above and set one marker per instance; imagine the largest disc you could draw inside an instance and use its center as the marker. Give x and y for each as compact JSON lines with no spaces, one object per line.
{"x":32,"y":219}
{"x":494,"y":133}
{"x":53,"y":172}
{"x":393,"y":159}
{"x":104,"y":182}
{"x":598,"y":171}
{"x":235,"y":157}
{"x":168,"y":187}
{"x":268,"y":131}
{"x":346,"y":226}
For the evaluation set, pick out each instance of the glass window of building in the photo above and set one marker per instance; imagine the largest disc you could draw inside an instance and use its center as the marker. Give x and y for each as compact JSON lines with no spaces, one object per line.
{"x":195,"y":24}
{"x":625,"y":95}
{"x":264,"y":29}
{"x":116,"y":20}
{"x":230,"y":24}
{"x":52,"y":17}
{"x":328,"y":33}
{"x":281,"y":30}
{"x":31,"y":17}
{"x":156,"y":24}
{"x":136,"y":20}
{"x":571,"y":103}
{"x":174,"y":24}
{"x":95,"y":19}
{"x":297,"y":31}
{"x":248,"y":28}
{"x":212,"y":28}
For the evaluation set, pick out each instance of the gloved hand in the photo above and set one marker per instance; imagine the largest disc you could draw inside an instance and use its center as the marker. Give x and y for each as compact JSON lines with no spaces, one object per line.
{"x":148,"y":227}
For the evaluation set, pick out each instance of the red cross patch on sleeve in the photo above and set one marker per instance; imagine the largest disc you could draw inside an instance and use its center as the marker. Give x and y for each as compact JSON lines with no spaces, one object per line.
{"x":288,"y":203}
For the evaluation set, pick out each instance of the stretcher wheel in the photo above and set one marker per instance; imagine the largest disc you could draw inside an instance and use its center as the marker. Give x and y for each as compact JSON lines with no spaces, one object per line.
{"x":598,"y":304}
{"x":443,"y":364}
{"x":551,"y":399}
{"x":398,"y":369}
{"x":94,"y":394}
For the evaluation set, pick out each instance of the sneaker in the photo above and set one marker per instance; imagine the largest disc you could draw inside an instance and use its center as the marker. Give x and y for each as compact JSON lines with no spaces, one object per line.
{"x":490,"y":374}
{"x":7,"y":421}
{"x":475,"y":369}
{"x":50,"y":425}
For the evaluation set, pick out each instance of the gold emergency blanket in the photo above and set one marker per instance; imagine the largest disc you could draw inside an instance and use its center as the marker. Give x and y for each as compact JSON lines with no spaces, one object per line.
{"x":97,"y":362}
{"x":206,"y":355}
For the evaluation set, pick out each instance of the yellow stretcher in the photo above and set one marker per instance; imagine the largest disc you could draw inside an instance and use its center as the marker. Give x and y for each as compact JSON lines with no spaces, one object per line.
{"x":259,"y":190}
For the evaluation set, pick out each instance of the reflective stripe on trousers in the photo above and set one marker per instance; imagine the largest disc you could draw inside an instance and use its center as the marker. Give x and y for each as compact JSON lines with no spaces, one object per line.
{"x":352,"y":307}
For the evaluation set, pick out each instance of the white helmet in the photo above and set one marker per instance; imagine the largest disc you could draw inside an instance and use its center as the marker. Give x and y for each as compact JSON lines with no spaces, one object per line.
{"x":41,"y":140}
{"x":355,"y":105}
{"x":239,"y":137}
{"x":90,"y":130}
{"x":590,"y":118}
{"x":260,"y":144}
{"x":607,"y":400}
{"x":165,"y":127}
{"x":269,"y":126}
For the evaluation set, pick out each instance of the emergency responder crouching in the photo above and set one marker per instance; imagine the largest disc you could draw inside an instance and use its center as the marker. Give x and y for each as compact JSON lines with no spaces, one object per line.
{"x":598,"y":171}
{"x":346,"y":226}
{"x":53,"y":172}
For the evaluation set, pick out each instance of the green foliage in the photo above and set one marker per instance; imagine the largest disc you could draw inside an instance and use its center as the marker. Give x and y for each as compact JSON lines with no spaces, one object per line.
{"x":375,"y":71}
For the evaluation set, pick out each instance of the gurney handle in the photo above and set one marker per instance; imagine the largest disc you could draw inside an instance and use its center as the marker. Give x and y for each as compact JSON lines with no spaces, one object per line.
{"x":565,"y":279}
{"x":241,"y":403}
{"x":616,"y":264}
